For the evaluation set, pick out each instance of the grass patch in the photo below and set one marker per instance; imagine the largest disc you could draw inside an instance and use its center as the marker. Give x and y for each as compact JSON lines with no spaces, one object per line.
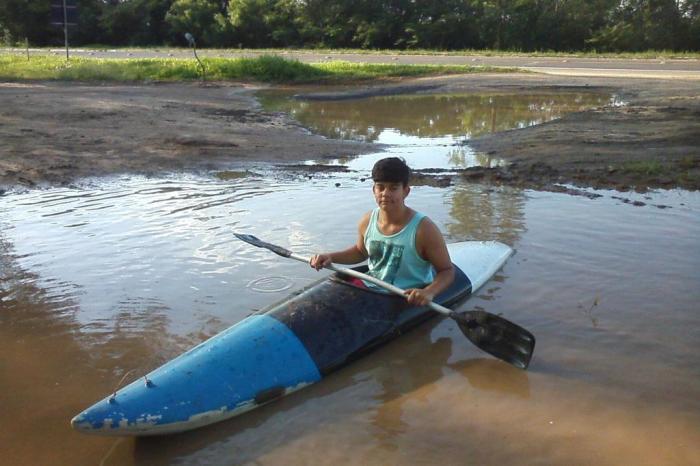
{"x":645,"y":167}
{"x":266,"y":68}
{"x":689,"y":162}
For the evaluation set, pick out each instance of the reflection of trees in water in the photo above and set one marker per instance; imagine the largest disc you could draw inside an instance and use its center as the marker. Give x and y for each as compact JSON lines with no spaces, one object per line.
{"x":24,"y":303}
{"x":432,"y":115}
{"x":43,"y":311}
{"x":465,"y":158}
{"x":60,"y":365}
{"x":412,"y":376}
{"x":481,"y":213}
{"x":416,"y":373}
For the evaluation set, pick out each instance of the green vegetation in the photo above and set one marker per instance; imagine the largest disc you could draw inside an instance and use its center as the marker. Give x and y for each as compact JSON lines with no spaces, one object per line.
{"x":645,"y":167}
{"x":266,"y":68}
{"x":685,"y":171}
{"x":516,"y":25}
{"x":689,"y":162}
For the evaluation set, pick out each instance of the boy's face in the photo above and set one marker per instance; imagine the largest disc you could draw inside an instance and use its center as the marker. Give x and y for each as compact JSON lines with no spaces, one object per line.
{"x":389,"y":194}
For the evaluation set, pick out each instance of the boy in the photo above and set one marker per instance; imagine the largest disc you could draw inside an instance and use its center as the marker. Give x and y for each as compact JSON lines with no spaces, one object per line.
{"x":404,"y":247}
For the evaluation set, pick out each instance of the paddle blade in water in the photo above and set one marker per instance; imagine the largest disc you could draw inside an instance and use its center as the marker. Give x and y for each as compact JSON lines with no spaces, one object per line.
{"x":497,"y":336}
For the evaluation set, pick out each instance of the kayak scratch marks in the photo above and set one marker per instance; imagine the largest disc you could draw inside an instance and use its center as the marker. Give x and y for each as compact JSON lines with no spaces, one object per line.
{"x":147,"y":418}
{"x":149,"y":424}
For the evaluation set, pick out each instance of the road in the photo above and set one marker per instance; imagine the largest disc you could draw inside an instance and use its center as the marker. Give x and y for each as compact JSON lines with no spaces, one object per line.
{"x":611,"y":67}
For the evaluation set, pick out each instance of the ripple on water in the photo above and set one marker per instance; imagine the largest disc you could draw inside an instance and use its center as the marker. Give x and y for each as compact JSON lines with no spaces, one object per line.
{"x":272,"y":284}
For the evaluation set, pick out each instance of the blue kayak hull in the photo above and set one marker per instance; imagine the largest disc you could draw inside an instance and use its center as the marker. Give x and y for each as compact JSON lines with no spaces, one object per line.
{"x":229,"y":374}
{"x":266,"y":356}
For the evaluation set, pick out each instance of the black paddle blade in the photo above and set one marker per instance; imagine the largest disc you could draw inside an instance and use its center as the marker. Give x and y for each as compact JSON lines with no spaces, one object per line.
{"x":250,"y":239}
{"x":497,"y":336}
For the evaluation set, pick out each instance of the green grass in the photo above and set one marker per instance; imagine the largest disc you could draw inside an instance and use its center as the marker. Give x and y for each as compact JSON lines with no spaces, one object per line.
{"x":266,"y":68}
{"x":647,"y":54}
{"x":645,"y":167}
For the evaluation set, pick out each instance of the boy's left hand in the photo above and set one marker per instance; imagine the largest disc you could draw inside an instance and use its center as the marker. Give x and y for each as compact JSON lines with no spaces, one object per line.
{"x":418,"y":297}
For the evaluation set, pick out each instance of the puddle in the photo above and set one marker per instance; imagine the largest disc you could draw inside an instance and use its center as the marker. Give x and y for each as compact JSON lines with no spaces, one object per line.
{"x":121,"y":275}
{"x":429,"y":131}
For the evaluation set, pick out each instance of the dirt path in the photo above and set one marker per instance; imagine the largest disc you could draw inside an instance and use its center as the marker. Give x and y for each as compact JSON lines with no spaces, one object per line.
{"x":55,"y":133}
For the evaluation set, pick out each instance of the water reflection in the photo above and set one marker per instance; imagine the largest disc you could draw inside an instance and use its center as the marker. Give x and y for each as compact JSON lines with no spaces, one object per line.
{"x":50,"y":368}
{"x":479,"y":214}
{"x":405,"y":384}
{"x":387,"y":119}
{"x":429,"y":131}
{"x":490,"y":375}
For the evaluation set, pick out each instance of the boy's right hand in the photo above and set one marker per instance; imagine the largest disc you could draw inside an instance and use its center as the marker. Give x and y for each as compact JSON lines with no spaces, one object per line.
{"x":319,"y":261}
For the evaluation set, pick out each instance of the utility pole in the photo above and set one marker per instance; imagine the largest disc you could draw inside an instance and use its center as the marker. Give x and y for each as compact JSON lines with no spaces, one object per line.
{"x":65,"y":28}
{"x":64,"y":13}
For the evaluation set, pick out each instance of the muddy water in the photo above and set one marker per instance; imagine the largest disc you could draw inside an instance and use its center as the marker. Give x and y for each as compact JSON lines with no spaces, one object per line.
{"x":107,"y":280}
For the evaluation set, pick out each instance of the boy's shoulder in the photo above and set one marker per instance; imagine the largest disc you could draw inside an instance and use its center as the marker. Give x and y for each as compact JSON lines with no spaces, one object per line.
{"x":428,"y":230}
{"x":364,"y":220}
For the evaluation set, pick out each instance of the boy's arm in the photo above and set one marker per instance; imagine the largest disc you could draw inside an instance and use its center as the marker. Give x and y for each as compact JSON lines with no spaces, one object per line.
{"x":431,"y":247}
{"x":352,"y":255}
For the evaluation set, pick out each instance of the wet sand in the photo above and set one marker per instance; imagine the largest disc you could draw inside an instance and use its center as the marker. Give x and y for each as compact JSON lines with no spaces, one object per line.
{"x":56,"y":133}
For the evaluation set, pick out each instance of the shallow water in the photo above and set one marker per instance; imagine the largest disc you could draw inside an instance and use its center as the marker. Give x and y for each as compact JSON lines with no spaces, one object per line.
{"x":429,"y":131}
{"x":109,"y":279}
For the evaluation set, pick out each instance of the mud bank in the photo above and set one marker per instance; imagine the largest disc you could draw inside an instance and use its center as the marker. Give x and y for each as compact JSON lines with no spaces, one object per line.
{"x":651,"y":140}
{"x":56,"y":133}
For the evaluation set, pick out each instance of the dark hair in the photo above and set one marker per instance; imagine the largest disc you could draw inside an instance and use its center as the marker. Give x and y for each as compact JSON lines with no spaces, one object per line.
{"x":391,"y":170}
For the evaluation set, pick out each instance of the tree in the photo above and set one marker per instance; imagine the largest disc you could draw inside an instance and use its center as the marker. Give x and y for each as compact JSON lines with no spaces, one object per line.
{"x":22,"y":19}
{"x":691,"y":15}
{"x":132,"y":22}
{"x":448,"y":24}
{"x":202,"y":18}
{"x":246,"y":18}
{"x":645,"y":24}
{"x":563,"y":25}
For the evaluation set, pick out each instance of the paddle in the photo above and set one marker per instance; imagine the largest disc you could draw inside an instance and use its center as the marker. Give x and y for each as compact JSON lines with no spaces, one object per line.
{"x":493,"y":334}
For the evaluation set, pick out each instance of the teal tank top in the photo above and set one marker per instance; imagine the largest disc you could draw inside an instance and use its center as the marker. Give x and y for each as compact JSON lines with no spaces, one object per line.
{"x":394,"y":258}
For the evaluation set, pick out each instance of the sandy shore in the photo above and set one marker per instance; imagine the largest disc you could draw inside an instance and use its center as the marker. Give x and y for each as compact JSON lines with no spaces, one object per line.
{"x":56,"y":133}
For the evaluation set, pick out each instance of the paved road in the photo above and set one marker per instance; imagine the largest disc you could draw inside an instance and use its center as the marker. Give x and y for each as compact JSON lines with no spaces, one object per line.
{"x":613,"y":67}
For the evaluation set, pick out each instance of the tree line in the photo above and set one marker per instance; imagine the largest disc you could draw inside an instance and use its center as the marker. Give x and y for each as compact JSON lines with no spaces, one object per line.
{"x":521,"y":25}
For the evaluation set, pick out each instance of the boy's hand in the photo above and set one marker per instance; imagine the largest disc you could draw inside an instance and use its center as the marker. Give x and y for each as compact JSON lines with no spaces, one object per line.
{"x":319,"y":261}
{"x":418,"y":297}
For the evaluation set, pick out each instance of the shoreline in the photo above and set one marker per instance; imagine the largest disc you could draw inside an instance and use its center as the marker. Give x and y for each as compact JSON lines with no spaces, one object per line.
{"x":57,"y":133}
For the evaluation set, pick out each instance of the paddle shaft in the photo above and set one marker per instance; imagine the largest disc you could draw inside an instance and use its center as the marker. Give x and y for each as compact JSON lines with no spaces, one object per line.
{"x":387,"y":286}
{"x":491,"y":333}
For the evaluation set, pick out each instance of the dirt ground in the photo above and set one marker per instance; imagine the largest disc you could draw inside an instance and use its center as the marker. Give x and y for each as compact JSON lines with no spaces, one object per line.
{"x":56,"y":133}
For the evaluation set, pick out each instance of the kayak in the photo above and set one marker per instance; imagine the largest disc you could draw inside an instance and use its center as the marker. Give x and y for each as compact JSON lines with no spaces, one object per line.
{"x":277,"y":351}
